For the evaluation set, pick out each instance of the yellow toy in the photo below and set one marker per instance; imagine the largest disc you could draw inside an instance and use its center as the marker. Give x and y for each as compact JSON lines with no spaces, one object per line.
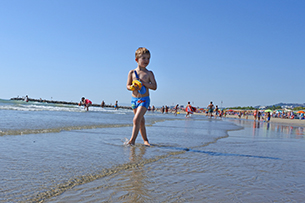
{"x":134,"y":84}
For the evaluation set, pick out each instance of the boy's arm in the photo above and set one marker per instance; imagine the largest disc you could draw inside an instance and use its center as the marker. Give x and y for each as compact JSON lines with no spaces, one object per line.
{"x":129,"y":80}
{"x":151,"y":84}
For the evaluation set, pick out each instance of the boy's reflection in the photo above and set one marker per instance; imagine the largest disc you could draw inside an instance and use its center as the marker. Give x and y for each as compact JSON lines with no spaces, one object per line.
{"x":136,"y":176}
{"x":134,"y":157}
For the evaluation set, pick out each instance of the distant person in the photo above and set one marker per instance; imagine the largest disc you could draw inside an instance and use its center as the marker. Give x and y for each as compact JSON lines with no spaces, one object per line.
{"x":86,"y":103}
{"x":166,"y":109}
{"x":268,"y":116}
{"x":255,"y":114}
{"x":210,"y":109}
{"x":176,"y":109}
{"x":259,"y":115}
{"x":153,"y":108}
{"x":116,"y":106}
{"x":162,"y":109}
{"x":221,"y":114}
{"x":216,"y":111}
{"x":103,"y":104}
{"x":140,"y":95}
{"x":239,"y":114}
{"x":26,"y":98}
{"x":189,"y":109}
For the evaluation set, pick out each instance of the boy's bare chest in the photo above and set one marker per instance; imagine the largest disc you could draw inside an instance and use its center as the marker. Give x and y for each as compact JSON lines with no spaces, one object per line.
{"x":142,"y":75}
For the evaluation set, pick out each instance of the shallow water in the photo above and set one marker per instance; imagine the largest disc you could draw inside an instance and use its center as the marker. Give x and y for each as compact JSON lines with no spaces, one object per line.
{"x":191,"y":159}
{"x":238,"y":168}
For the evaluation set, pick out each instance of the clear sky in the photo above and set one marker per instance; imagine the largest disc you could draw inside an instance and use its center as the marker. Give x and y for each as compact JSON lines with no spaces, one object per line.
{"x":240,"y":52}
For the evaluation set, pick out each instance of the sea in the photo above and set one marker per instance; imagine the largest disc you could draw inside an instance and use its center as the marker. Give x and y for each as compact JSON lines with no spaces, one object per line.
{"x":62,"y":153}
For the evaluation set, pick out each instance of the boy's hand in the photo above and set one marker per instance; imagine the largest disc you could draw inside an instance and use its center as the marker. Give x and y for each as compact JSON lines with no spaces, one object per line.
{"x":136,"y":87}
{"x":142,"y":82}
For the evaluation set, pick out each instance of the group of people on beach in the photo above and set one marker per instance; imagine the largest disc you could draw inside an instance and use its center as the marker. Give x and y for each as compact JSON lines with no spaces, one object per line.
{"x":258,"y":114}
{"x":266,"y":115}
{"x":86,"y":103}
{"x":212,"y":111}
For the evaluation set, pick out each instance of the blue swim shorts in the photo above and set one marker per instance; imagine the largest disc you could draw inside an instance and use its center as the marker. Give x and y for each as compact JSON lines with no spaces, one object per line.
{"x":142,"y":101}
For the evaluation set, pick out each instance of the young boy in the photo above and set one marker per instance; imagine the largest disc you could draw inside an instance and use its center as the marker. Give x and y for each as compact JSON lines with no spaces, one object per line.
{"x":140,"y":96}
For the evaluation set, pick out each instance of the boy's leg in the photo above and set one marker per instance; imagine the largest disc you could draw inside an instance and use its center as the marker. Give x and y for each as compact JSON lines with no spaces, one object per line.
{"x":138,"y":116}
{"x":143,"y":132}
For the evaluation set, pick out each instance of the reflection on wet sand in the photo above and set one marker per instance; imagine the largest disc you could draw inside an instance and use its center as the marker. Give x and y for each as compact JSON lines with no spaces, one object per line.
{"x":136,"y":178}
{"x":262,"y":129}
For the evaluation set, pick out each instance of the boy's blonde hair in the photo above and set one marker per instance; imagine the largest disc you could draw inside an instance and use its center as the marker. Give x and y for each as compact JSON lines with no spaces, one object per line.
{"x":140,"y":51}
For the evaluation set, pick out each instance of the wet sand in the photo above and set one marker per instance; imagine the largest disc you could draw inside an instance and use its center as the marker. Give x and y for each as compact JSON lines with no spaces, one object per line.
{"x":193,"y":159}
{"x":255,"y":164}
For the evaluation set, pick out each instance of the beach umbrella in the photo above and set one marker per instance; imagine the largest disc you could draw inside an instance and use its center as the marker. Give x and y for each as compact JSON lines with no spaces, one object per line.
{"x":268,"y":110}
{"x":230,"y":110}
{"x":301,"y":112}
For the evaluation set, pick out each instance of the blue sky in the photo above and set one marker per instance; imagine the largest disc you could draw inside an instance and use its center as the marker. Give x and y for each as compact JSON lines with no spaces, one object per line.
{"x":243,"y":53}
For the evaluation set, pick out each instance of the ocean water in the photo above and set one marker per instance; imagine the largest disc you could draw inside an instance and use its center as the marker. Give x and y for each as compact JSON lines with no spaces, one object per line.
{"x":61,"y":153}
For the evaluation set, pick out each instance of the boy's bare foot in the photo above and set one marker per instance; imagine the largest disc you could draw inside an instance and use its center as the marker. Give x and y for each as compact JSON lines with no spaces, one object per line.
{"x":146,"y":143}
{"x":131,"y":143}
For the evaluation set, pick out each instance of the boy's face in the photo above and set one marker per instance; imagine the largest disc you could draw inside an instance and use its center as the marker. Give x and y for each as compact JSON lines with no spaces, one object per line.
{"x":143,"y":60}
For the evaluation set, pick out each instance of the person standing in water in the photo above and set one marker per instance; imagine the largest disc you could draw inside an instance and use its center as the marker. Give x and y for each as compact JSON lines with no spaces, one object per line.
{"x":140,"y":100}
{"x":210,"y":109}
{"x":116,"y":106}
{"x":176,"y":109}
{"x":255,"y":114}
{"x":188,"y":109}
{"x":216,"y":111}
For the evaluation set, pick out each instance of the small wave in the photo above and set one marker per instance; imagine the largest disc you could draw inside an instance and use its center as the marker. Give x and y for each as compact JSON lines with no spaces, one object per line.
{"x":57,"y":130}
{"x":32,"y":107}
{"x":61,"y":108}
{"x":126,"y":141}
{"x":37,"y":106}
